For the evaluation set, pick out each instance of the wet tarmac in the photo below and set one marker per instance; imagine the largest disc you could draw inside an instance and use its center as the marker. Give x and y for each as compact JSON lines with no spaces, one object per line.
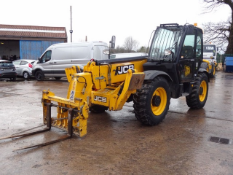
{"x":186,"y":142}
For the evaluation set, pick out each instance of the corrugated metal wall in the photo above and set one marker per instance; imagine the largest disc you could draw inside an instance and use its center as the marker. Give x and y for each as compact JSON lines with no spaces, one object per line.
{"x":33,"y":49}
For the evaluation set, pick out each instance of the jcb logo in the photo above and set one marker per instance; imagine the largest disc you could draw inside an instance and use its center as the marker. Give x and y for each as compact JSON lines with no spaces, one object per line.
{"x":123,"y":69}
{"x":101,"y":99}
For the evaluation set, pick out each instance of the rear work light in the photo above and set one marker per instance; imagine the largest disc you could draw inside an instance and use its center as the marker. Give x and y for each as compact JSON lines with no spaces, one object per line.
{"x":29,"y":65}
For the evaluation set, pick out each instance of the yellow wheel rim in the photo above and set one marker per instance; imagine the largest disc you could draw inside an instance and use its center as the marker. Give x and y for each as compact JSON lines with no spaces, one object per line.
{"x":202,"y":94}
{"x":160,"y":106}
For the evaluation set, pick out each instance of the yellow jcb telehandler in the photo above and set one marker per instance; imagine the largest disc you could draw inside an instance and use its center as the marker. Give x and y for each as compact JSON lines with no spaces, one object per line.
{"x":171,"y":70}
{"x":210,"y":67}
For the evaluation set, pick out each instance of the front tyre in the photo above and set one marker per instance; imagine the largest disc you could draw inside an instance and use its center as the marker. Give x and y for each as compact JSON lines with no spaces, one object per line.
{"x":199,"y":93}
{"x":39,"y":75}
{"x":152,"y":101}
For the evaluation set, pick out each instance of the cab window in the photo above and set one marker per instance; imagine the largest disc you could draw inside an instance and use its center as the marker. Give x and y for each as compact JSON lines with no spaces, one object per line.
{"x":46,"y":57}
{"x":199,"y":45}
{"x":188,"y":47}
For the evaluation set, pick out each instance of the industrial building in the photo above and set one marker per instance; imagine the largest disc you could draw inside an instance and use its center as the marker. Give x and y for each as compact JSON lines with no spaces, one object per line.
{"x":28,"y":42}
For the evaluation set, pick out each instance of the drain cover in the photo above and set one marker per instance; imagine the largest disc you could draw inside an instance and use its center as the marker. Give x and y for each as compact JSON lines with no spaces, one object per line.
{"x":214,"y":139}
{"x":224,"y":141}
{"x":220,"y":140}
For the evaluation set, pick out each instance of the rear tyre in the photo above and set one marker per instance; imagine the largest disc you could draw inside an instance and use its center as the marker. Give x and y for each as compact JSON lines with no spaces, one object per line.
{"x":26,"y":75}
{"x":57,"y":78}
{"x":198,"y":96}
{"x":98,"y":109}
{"x":152,"y":101}
{"x":39,"y":75}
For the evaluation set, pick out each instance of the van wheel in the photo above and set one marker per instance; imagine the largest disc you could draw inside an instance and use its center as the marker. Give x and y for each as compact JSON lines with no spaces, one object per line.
{"x":39,"y":75}
{"x":57,"y":78}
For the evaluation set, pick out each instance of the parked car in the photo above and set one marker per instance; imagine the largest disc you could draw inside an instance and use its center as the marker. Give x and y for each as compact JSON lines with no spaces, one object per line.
{"x":24,"y":68}
{"x":7,"y":70}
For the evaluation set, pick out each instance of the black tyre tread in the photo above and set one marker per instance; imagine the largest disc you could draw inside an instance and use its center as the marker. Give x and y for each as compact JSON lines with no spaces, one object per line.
{"x":140,"y":103}
{"x":192,"y":100}
{"x":39,"y":71}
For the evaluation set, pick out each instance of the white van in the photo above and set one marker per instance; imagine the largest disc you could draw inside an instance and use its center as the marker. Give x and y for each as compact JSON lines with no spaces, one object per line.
{"x":210,"y":52}
{"x":57,"y":57}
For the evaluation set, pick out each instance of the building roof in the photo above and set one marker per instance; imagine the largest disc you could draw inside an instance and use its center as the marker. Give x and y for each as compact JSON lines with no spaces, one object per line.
{"x":26,"y":32}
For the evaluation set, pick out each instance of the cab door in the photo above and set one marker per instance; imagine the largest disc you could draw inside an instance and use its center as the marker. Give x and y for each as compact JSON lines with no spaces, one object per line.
{"x":46,"y":63}
{"x":190,"y":56}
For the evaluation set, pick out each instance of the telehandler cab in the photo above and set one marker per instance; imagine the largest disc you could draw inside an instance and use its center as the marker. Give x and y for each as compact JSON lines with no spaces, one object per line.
{"x":172,"y":69}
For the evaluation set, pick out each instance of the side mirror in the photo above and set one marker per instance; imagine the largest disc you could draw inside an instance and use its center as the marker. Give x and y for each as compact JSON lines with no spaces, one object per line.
{"x":112,"y":42}
{"x":167,"y":52}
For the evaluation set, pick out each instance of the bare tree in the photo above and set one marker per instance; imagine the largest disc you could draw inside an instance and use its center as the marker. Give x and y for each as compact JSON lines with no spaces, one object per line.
{"x":130,"y":44}
{"x":119,"y":49}
{"x":143,"y":49}
{"x":217,"y":33}
{"x":223,"y":30}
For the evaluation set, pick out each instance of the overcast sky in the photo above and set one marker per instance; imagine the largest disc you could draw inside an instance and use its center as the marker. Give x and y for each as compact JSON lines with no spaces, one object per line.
{"x":100,"y":19}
